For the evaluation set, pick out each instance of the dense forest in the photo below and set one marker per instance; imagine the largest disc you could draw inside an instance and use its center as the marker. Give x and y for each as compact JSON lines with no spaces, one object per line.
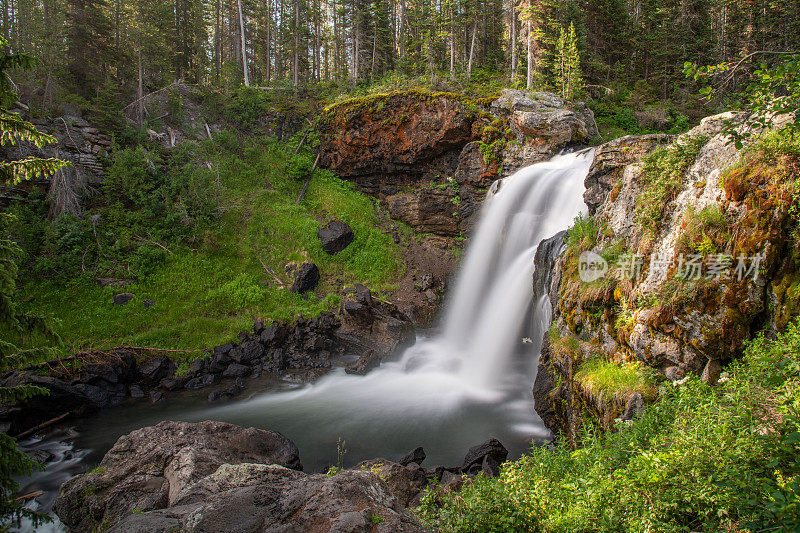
{"x":206,"y":201}
{"x":101,"y":50}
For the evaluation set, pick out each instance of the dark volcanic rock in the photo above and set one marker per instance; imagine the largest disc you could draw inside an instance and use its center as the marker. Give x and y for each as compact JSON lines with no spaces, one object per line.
{"x":335,"y":236}
{"x":491,"y":448}
{"x":202,"y":382}
{"x":417,"y":455}
{"x":306,"y":278}
{"x":157,"y":368}
{"x":155,"y":467}
{"x":123,"y":298}
{"x":235,"y":370}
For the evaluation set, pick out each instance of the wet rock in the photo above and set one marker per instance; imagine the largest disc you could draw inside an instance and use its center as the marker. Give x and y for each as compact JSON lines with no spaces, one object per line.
{"x":155,"y":467}
{"x":491,"y":448}
{"x":417,"y":455}
{"x":228,"y":393}
{"x":123,"y":298}
{"x":174,"y":383}
{"x":157,"y":368}
{"x":136,"y":392}
{"x":306,"y":278}
{"x":335,"y":236}
{"x":365,"y":363}
{"x":156,"y":396}
{"x":235,"y":370}
{"x":202,"y":382}
{"x":41,"y":456}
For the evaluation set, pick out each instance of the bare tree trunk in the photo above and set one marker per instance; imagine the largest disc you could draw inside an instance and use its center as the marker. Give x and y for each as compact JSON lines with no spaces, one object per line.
{"x":374,"y":54}
{"x":244,"y":48}
{"x":296,"y":74}
{"x":472,"y":48}
{"x":513,"y":40}
{"x":267,"y":68}
{"x":452,"y":44}
{"x":529,"y":83}
{"x":140,"y":91}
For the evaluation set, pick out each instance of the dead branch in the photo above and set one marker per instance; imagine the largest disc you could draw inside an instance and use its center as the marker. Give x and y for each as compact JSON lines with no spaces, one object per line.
{"x":43,"y":425}
{"x":148,"y":95}
{"x":308,"y":180}
{"x":271,"y":273}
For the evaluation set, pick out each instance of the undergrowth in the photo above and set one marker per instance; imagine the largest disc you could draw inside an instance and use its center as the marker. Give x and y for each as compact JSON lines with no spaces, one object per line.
{"x":205,"y":232}
{"x":701,"y":458}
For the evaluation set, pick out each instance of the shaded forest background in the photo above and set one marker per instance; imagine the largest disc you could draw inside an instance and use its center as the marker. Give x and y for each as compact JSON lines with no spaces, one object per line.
{"x":103,"y":53}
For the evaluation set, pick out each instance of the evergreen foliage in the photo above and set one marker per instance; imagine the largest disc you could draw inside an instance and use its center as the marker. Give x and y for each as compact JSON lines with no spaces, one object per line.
{"x":14,"y":323}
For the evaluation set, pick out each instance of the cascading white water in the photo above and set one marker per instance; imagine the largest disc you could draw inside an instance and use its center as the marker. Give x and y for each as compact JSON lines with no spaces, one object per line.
{"x":493,"y":289}
{"x":445,"y":393}
{"x":444,"y":380}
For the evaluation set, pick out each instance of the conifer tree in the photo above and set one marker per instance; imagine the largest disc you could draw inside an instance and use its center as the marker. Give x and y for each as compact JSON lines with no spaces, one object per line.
{"x":567,"y":67}
{"x":13,"y":322}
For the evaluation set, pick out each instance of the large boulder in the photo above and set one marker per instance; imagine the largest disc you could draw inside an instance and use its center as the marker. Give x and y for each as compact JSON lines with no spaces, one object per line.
{"x":335,"y":236}
{"x":153,"y":467}
{"x":256,"y":498}
{"x":542,"y":123}
{"x":306,"y":277}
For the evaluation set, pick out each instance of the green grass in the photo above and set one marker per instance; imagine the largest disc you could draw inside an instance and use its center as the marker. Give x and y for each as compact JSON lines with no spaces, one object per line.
{"x":701,"y":458}
{"x":205,"y":295}
{"x":614,"y":381}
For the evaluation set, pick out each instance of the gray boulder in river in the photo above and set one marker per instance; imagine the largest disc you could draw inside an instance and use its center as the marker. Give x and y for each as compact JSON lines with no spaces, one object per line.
{"x":214,"y":476}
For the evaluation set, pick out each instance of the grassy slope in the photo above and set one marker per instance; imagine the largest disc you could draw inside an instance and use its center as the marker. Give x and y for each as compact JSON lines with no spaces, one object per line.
{"x":205,"y":297}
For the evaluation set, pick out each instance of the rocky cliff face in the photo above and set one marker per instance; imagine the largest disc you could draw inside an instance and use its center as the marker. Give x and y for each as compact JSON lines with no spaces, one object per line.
{"x":431,"y":156}
{"x":695,"y":247}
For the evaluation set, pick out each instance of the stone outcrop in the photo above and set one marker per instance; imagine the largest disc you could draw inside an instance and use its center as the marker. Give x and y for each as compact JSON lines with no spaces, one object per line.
{"x":372,"y":328}
{"x":157,"y":467}
{"x":541,"y":123}
{"x":214,"y":476}
{"x":652,"y":307}
{"x":429,"y":157}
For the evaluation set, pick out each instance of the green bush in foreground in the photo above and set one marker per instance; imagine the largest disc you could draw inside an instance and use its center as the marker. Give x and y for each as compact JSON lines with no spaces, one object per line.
{"x":701,"y":459}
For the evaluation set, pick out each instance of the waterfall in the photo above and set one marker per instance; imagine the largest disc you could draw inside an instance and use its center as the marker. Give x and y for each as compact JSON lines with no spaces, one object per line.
{"x":493,"y":290}
{"x":452,"y":390}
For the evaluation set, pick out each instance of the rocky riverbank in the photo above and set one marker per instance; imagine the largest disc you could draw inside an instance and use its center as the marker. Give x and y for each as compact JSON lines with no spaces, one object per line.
{"x":213,"y":476}
{"x":300,"y":351}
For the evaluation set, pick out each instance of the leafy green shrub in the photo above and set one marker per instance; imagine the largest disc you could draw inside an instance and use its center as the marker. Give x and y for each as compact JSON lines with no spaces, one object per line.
{"x":665,"y":169}
{"x":700,"y":459}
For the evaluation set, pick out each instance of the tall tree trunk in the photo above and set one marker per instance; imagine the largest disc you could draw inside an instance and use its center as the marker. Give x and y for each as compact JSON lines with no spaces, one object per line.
{"x":140,"y":91}
{"x":244,"y":48}
{"x":529,"y":82}
{"x":296,"y":68}
{"x":472,"y":48}
{"x":513,"y":40}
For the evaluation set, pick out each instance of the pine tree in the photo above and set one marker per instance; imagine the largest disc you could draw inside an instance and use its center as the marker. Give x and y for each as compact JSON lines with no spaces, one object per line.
{"x":12,"y":320}
{"x":567,"y":63}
